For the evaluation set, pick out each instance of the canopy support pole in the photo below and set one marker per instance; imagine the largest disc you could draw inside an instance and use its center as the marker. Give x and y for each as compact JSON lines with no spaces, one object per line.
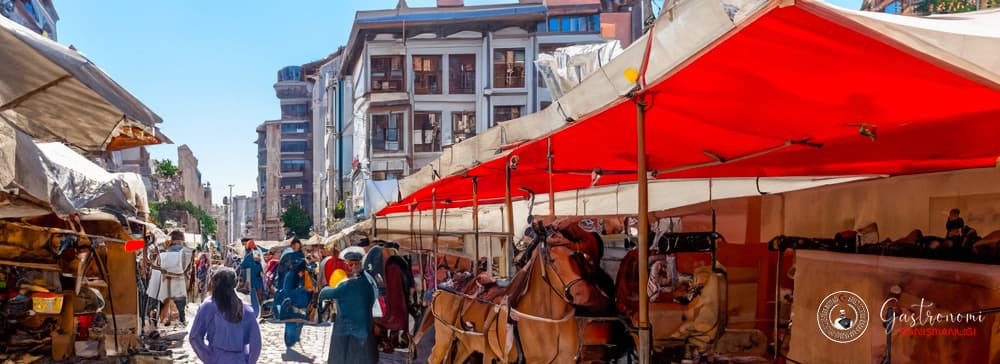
{"x":17,"y":101}
{"x":645,"y":350}
{"x":475,"y":222}
{"x":434,"y":236}
{"x":552,"y":192}
{"x":420,"y":254}
{"x":509,"y":206}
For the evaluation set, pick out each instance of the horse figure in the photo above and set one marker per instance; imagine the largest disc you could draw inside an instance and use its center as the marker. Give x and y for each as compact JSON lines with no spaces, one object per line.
{"x":541,"y":303}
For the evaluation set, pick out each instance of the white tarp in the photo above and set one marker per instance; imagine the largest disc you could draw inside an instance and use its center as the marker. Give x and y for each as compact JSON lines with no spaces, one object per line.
{"x":22,"y":168}
{"x":969,"y":41}
{"x":87,"y":185}
{"x":38,"y":179}
{"x":608,"y":200}
{"x":567,"y":67}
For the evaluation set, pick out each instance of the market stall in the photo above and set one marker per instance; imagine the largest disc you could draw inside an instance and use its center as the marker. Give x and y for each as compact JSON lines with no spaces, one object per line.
{"x":69,"y":282}
{"x":743,"y":89}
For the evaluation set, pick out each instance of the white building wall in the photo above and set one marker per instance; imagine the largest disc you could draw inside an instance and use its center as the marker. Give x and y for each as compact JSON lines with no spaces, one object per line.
{"x":482,"y":102}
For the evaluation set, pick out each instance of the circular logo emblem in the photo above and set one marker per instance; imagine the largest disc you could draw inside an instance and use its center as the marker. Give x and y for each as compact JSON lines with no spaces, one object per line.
{"x":842,"y":317}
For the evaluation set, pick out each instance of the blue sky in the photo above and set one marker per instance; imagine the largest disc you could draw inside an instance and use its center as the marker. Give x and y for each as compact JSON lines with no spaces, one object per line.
{"x":207,"y":67}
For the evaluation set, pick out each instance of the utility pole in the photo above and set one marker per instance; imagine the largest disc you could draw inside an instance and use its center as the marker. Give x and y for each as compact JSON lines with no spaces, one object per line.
{"x":230,"y":217}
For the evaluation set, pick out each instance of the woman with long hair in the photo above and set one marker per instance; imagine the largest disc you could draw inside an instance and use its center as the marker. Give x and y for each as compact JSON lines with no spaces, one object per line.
{"x":225,"y":329}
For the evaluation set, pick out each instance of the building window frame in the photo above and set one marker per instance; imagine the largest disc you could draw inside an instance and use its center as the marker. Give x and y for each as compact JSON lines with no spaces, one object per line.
{"x":396,"y":174}
{"x":387,"y":73}
{"x":462,"y":73}
{"x":503,"y":113}
{"x":427,"y":73}
{"x":426,"y":131}
{"x":509,"y":67}
{"x":289,"y":143}
{"x":293,"y":165}
{"x":387,"y":132}
{"x":463,"y":125}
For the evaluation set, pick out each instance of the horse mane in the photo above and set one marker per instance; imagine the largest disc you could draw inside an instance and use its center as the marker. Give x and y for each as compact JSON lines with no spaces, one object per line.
{"x":519,"y":283}
{"x":600,"y":246}
{"x":526,"y":255}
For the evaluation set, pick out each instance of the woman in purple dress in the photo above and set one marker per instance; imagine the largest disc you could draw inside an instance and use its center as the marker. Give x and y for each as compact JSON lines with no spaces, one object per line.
{"x":225,"y":330}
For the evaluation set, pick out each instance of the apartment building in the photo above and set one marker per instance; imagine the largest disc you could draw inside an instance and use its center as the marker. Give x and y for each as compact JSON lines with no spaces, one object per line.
{"x":286,"y":149}
{"x":39,"y":16}
{"x":269,"y":226}
{"x":423,"y":79}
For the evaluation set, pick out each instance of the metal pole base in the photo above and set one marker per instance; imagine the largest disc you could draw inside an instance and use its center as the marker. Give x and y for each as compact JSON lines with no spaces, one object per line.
{"x":645,"y":347}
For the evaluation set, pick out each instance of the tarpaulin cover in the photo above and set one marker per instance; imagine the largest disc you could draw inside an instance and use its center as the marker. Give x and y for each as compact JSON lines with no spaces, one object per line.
{"x":39,"y":179}
{"x":800,"y":90}
{"x":54,"y":93}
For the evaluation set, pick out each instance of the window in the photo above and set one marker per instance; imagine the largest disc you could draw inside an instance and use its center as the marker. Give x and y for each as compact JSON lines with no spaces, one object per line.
{"x":292,"y":111}
{"x":426,"y":131}
{"x":293,"y":165}
{"x":293,"y":182}
{"x":505,"y":113}
{"x":462,"y":73}
{"x":545,"y":104}
{"x":290,"y":73}
{"x":386,"y":175}
{"x":573,"y":24}
{"x":387,"y":74}
{"x":427,"y":75}
{"x":387,"y":133}
{"x":508,"y":68}
{"x":294,"y":128}
{"x":294,"y":147}
{"x":463,"y":126}
{"x":292,"y":93}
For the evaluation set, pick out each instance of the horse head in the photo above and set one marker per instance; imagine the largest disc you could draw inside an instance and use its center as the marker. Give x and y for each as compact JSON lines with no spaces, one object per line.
{"x":572,"y":254}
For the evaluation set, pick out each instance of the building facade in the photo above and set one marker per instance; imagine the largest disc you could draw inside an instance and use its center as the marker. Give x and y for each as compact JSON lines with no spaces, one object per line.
{"x":422,"y":79}
{"x":38,"y":15}
{"x":269,"y":226}
{"x":926,"y":7}
{"x":190,"y":177}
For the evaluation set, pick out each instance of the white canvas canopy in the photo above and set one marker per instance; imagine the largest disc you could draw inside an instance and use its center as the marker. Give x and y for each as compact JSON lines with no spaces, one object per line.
{"x":54,"y":93}
{"x":599,"y":201}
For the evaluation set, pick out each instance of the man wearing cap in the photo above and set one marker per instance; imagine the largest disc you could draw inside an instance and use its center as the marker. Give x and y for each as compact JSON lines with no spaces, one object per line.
{"x":252,"y":273}
{"x":351,"y":340}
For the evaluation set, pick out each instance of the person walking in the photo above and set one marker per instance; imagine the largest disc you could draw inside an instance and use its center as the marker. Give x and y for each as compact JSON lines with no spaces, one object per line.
{"x":170,"y":270}
{"x":225,"y":329}
{"x":252,"y":272}
{"x":351,"y":340}
{"x":291,"y":299}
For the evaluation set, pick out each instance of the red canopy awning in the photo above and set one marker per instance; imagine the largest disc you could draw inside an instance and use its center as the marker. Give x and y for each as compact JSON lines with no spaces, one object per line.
{"x":798,"y":91}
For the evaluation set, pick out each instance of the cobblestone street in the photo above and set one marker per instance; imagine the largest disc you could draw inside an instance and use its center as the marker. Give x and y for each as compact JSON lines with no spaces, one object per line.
{"x":312,"y":348}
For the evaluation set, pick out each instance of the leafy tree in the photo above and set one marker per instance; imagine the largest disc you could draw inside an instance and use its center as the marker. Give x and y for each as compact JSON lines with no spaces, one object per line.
{"x":950,"y":6}
{"x":166,"y":168}
{"x":338,"y":213}
{"x":296,"y":220}
{"x":208,"y":226}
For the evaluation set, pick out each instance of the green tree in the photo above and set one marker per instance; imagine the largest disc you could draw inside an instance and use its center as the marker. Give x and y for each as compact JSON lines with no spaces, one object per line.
{"x":166,"y":168}
{"x":951,"y":6}
{"x":296,"y":220}
{"x":157,"y":209}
